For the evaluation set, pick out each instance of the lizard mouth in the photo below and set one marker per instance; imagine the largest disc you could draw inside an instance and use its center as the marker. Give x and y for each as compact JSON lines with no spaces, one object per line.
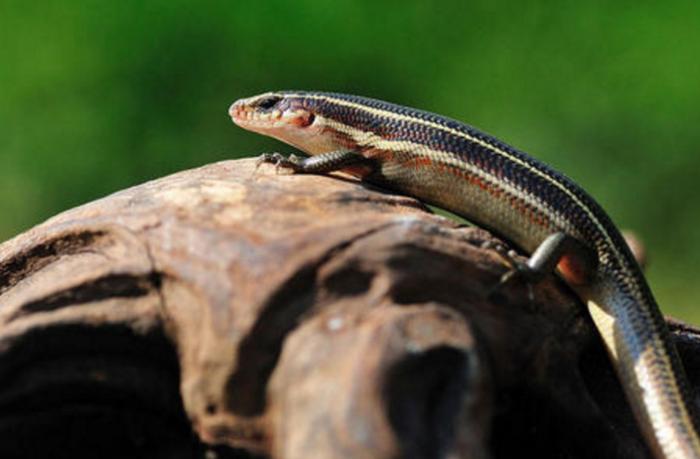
{"x":252,"y":114}
{"x":243,"y":114}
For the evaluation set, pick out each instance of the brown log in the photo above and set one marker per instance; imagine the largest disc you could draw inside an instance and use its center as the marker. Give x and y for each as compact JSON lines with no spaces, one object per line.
{"x":292,"y":316}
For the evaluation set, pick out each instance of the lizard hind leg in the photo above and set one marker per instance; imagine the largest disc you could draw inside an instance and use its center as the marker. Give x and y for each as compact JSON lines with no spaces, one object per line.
{"x":575,"y":261}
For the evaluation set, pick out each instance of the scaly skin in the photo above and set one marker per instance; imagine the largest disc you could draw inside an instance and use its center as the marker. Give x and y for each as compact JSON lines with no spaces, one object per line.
{"x":454,"y":166}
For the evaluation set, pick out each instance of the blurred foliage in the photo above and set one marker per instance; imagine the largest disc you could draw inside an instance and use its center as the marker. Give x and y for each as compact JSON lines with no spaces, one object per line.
{"x":96,"y":96}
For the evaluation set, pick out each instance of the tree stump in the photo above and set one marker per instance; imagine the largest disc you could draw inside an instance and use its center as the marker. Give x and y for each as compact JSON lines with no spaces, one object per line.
{"x":229,"y":311}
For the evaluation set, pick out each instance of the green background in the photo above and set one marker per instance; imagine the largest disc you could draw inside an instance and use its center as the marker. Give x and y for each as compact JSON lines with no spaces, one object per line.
{"x":96,"y":96}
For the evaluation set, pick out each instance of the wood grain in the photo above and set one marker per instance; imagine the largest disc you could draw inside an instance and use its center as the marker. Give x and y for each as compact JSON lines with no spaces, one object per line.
{"x":229,"y":311}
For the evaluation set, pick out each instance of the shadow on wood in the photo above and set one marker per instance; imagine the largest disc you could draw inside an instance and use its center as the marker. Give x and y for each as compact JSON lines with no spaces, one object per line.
{"x":232,"y":312}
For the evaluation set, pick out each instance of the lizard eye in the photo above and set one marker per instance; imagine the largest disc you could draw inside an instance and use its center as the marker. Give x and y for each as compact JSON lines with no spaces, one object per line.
{"x":268,"y":102}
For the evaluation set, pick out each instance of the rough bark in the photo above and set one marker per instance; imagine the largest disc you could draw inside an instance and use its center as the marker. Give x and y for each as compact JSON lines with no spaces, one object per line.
{"x":232,"y":312}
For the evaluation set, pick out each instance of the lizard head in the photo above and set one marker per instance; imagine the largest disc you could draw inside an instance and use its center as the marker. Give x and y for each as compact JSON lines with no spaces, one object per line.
{"x":287,"y":116}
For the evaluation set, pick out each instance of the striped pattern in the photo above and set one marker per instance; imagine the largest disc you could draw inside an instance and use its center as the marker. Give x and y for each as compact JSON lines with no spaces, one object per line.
{"x":455,"y":166}
{"x":417,"y":155}
{"x":370,"y":120}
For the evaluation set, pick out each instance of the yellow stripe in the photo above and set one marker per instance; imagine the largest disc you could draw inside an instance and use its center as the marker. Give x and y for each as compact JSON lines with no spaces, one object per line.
{"x":430,"y":124}
{"x":366,"y":138}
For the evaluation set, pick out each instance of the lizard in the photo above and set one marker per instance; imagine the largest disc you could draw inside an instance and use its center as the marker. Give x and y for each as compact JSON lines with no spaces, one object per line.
{"x":455,"y":166}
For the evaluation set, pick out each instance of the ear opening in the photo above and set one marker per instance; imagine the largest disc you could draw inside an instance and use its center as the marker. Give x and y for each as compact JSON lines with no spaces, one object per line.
{"x":304,"y":120}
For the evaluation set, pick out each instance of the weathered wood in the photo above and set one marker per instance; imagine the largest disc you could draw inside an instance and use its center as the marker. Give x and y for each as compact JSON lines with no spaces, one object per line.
{"x":292,"y":317}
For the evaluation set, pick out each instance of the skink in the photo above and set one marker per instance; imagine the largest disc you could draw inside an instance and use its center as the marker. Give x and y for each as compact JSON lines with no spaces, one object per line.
{"x":461,"y":169}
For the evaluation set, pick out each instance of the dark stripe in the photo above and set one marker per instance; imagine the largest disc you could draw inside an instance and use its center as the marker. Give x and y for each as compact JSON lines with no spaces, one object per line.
{"x":483,"y":158}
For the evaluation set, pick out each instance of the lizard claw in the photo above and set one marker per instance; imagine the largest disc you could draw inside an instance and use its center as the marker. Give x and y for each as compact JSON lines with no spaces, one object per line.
{"x":518,"y":270}
{"x":280,"y":161}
